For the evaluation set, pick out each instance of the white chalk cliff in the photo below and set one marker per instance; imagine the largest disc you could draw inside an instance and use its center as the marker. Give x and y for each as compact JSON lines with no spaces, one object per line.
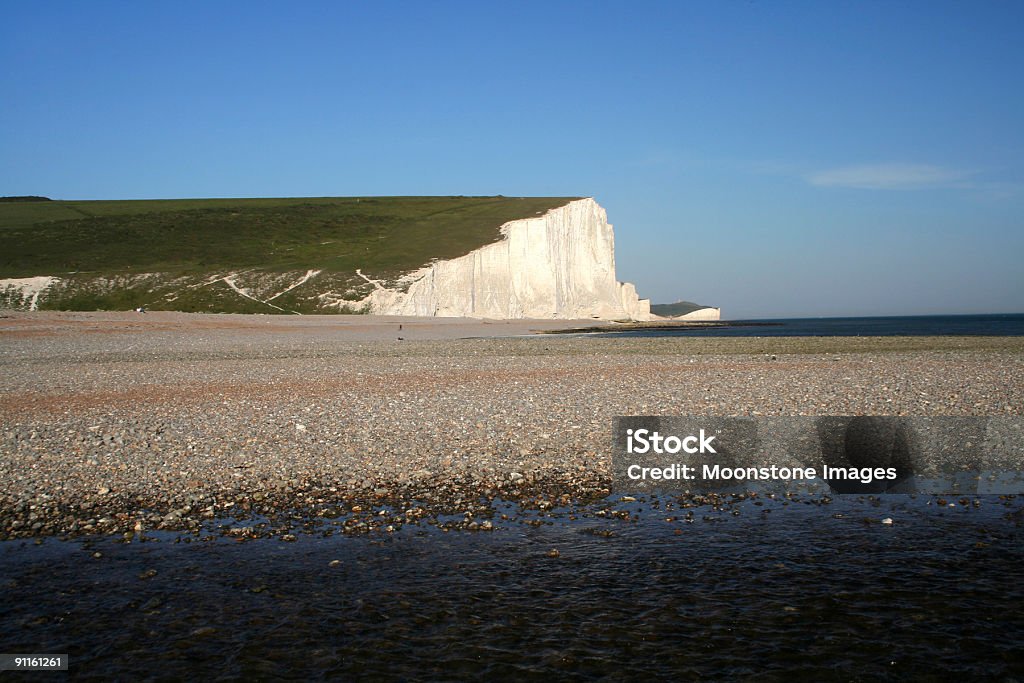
{"x":701,"y":314}
{"x":559,"y":265}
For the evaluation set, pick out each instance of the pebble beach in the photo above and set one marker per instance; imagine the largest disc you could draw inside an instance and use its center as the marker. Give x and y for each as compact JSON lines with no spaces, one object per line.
{"x":123,"y":423}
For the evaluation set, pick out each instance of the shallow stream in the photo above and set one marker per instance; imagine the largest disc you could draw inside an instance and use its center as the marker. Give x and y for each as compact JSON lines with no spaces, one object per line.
{"x":794,"y":588}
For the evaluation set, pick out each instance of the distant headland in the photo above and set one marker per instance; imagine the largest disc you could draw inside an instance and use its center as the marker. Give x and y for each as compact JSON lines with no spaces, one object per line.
{"x":485,"y":257}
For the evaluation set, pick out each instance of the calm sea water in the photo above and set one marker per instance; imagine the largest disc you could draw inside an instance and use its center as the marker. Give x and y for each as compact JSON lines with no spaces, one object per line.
{"x":801,"y":590}
{"x":1002,"y":324}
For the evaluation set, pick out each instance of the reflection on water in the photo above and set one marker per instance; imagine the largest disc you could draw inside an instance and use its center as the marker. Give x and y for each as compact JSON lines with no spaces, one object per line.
{"x":823,"y":591}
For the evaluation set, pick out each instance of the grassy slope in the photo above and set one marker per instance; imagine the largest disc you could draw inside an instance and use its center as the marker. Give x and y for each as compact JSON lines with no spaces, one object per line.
{"x":99,"y":248}
{"x":381,"y":235}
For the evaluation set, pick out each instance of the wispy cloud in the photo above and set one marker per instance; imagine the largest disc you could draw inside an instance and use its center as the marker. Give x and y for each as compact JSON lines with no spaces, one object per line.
{"x":892,"y":176}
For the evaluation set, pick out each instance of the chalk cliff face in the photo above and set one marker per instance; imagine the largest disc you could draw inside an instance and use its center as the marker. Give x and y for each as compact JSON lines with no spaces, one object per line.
{"x":559,"y":265}
{"x":701,"y":314}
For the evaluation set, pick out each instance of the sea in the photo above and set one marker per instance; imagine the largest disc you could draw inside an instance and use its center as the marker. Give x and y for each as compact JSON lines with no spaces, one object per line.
{"x":991,"y":324}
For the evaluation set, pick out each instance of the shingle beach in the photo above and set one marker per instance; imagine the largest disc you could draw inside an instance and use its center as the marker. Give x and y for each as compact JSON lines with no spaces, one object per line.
{"x":126,"y":422}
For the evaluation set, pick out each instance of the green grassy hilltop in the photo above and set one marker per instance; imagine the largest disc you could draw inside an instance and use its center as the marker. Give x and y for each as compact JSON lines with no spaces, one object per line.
{"x":121,"y":254}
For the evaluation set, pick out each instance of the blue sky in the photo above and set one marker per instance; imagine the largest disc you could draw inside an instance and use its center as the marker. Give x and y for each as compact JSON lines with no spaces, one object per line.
{"x":772,"y":158}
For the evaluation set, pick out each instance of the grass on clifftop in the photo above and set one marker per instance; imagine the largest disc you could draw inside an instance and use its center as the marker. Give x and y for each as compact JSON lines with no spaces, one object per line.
{"x":334,"y":234}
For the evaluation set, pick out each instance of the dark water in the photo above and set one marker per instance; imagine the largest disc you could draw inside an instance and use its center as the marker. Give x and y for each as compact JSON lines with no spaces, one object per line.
{"x":1004,"y":324}
{"x":799,"y":590}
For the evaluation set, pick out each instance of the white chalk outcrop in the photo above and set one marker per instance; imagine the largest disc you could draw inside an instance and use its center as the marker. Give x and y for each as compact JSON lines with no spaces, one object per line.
{"x":24,"y":292}
{"x":701,"y":314}
{"x":559,"y":265}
